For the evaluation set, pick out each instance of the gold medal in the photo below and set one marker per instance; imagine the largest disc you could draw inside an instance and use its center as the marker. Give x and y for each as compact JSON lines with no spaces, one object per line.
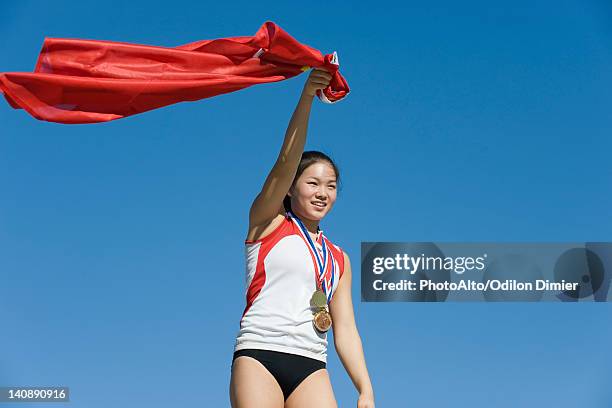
{"x":322,"y":320}
{"x":318,"y":299}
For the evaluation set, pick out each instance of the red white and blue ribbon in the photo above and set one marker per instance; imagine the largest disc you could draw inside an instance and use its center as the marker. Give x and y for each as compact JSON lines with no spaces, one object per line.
{"x":322,"y":266}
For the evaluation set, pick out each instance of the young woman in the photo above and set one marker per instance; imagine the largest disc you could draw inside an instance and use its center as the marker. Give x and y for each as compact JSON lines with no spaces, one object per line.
{"x":298,"y":284}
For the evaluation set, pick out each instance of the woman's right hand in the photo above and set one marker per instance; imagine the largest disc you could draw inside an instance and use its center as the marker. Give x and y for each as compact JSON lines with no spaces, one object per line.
{"x":318,"y":79}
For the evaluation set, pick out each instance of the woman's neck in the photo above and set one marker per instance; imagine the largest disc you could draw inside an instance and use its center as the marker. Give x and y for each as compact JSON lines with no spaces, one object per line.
{"x":311,"y":226}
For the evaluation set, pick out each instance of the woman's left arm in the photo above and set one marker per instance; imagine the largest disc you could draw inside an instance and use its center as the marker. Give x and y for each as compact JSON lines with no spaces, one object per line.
{"x":347,"y":340}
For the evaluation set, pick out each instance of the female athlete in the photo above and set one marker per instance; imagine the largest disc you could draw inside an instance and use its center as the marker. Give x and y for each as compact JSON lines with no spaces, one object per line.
{"x":298,"y":284}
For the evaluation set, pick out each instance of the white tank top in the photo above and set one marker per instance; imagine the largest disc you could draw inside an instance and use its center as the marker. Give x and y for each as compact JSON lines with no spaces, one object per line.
{"x":280,"y":280}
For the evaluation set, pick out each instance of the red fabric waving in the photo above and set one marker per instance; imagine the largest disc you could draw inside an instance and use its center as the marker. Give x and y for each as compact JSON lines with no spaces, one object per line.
{"x":89,"y":81}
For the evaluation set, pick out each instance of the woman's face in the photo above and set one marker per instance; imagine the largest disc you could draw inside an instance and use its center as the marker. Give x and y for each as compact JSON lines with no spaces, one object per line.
{"x":314,"y":192}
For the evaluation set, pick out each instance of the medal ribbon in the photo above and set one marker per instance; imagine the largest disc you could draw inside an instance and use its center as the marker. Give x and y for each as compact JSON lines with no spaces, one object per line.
{"x":321,"y":265}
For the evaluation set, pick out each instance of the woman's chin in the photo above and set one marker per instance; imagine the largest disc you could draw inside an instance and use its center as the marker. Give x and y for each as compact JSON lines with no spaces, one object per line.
{"x":316,"y":214}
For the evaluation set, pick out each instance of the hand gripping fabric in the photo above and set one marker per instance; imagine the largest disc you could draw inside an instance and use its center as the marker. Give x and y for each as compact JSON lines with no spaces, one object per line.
{"x":90,"y":81}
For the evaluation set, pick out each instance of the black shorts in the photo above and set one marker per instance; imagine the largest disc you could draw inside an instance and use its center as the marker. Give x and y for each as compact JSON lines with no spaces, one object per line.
{"x":289,"y":370}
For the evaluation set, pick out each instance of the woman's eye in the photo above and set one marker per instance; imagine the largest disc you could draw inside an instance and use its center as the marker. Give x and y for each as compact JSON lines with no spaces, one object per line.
{"x":312,"y":182}
{"x":332,"y":187}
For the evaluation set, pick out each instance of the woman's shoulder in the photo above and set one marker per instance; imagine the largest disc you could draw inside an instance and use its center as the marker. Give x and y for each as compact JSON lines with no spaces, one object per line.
{"x":258,"y":233}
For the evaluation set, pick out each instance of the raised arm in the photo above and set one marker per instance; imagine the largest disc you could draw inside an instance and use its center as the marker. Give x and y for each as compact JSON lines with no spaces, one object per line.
{"x":269,"y":201}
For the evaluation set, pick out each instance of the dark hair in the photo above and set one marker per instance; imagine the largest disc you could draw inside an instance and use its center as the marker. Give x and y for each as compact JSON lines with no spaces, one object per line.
{"x":308,"y":158}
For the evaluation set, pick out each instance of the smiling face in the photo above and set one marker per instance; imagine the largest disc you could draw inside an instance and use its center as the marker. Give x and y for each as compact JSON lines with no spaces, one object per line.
{"x":313,"y":194}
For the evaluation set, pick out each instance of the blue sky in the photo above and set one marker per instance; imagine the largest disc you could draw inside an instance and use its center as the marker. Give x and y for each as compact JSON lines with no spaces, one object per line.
{"x":121,"y":244}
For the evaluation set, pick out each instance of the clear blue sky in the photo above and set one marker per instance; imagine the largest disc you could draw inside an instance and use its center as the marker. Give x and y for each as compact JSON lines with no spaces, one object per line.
{"x":121,"y":244}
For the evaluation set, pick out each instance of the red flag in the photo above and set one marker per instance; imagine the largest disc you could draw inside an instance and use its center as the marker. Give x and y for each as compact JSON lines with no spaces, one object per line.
{"x":89,"y":81}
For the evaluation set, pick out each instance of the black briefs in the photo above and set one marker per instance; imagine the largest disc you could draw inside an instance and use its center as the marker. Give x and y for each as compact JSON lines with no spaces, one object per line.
{"x":289,"y":370}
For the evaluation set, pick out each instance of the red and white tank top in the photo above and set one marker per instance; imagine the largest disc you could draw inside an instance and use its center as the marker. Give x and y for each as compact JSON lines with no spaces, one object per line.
{"x":280,"y":281}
